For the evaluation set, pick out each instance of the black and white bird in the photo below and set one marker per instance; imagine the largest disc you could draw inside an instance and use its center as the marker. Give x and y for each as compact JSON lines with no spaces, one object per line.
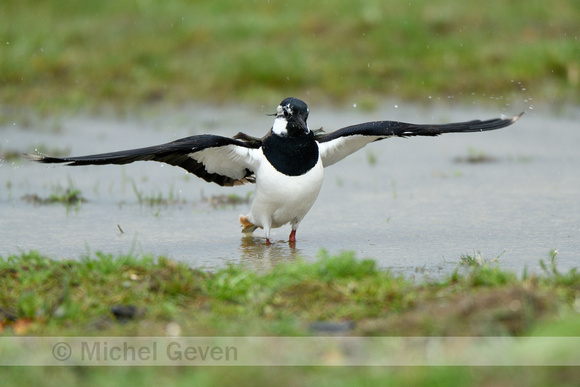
{"x":287,"y":164}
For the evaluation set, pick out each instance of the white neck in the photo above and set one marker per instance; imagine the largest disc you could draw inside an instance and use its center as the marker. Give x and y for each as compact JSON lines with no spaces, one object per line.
{"x":279,"y":126}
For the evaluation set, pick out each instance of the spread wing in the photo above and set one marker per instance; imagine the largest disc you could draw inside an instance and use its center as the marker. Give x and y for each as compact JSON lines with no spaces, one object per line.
{"x":221,"y":160}
{"x":337,"y":145}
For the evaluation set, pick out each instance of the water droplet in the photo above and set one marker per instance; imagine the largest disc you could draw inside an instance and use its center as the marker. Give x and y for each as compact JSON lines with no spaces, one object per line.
{"x":396,"y":106}
{"x":354,"y":105}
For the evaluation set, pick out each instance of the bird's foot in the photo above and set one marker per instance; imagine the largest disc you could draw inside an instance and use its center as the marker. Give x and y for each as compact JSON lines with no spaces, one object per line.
{"x":247,"y":226}
{"x":292,"y":238}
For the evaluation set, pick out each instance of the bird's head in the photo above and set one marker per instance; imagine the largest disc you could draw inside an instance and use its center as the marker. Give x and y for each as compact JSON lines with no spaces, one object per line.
{"x":291,"y":116}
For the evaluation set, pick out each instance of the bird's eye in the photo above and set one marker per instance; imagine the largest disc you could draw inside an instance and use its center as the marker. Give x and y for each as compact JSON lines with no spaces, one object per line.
{"x":287,"y":111}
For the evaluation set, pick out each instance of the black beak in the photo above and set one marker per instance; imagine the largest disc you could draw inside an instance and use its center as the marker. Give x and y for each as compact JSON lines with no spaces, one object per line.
{"x":302,"y":123}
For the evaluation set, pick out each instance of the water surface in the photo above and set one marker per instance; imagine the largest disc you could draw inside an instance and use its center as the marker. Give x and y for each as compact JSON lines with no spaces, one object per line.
{"x":407,"y":203}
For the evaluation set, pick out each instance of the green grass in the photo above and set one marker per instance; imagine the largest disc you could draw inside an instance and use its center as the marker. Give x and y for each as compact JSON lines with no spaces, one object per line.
{"x":221,"y":201}
{"x":293,"y":376}
{"x":76,"y":297}
{"x":81,"y":55}
{"x":70,"y":197}
{"x":40,"y":296}
{"x":157,"y":199}
{"x":475,"y":156}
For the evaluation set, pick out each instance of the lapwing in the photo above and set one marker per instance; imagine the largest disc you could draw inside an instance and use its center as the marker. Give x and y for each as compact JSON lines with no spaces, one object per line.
{"x":287,"y":164}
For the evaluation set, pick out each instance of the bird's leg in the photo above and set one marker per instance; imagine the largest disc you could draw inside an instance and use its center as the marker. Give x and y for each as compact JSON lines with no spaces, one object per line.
{"x":292,"y":236}
{"x":267,"y":234}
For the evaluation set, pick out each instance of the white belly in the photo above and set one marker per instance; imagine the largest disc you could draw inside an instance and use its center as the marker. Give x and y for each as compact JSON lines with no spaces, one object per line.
{"x":282,"y":199}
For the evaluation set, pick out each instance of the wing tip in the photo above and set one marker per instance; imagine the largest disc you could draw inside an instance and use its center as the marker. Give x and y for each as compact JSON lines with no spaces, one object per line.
{"x":30,"y":157}
{"x":42,"y":158}
{"x":516,"y":117}
{"x":38,"y":157}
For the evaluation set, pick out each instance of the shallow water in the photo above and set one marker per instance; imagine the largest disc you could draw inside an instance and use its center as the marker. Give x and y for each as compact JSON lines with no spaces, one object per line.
{"x":407,"y":203}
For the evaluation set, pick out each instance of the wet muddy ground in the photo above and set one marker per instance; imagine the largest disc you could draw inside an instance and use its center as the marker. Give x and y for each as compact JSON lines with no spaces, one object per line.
{"x":414,"y":205}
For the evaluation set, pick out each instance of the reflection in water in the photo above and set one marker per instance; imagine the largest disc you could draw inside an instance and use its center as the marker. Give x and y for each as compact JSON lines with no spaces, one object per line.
{"x":258,"y":255}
